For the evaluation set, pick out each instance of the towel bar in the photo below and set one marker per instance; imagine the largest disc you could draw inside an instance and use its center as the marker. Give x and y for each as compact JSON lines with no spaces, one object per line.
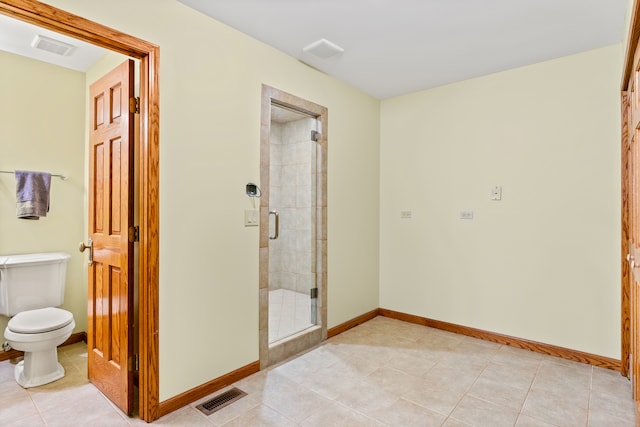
{"x":62,"y":177}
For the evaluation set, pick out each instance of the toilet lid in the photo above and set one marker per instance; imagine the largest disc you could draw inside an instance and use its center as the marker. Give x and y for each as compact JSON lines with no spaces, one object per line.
{"x":40,"y":320}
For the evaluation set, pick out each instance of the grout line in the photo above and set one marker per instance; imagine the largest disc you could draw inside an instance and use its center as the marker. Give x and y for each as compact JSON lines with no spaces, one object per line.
{"x":533,"y":380}
{"x":589,"y":399}
{"x":467,"y":391}
{"x":540,"y":364}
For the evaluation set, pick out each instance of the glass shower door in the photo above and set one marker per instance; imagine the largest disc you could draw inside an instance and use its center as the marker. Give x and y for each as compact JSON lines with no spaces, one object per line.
{"x":292,"y":219}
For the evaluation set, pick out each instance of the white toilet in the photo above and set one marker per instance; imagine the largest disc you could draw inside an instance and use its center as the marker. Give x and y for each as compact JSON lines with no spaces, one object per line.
{"x":31,"y":287}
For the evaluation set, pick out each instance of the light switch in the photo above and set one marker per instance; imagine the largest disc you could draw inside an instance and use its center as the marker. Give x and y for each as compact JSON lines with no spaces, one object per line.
{"x":251,"y":218}
{"x":405,"y":214}
{"x":496,"y":193}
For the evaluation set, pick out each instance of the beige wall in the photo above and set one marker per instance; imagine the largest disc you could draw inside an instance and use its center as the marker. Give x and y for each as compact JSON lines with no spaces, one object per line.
{"x":42,"y":128}
{"x":210,"y":79}
{"x":543,"y":263}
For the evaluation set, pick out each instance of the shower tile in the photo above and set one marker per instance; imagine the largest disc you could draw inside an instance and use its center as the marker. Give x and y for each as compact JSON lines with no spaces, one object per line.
{"x":263,"y":299}
{"x":304,"y":282}
{"x":277,"y":155}
{"x":303,"y":243}
{"x":303,"y":197}
{"x":304,"y":219}
{"x":289,"y":177}
{"x":321,"y":219}
{"x":290,"y":314}
{"x":303,"y":176}
{"x":288,"y":155}
{"x":289,"y":280}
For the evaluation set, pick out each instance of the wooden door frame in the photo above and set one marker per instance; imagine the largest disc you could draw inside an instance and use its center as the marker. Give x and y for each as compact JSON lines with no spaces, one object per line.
{"x":625,"y":271}
{"x":632,"y":44}
{"x":55,"y":19}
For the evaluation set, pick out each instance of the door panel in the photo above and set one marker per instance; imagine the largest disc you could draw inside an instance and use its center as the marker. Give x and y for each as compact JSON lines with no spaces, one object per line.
{"x":292,"y":223}
{"x":110,"y":305}
{"x":634,"y":232}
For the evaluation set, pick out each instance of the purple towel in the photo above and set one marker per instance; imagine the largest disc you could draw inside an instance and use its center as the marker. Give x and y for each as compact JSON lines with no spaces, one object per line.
{"x":32,"y":194}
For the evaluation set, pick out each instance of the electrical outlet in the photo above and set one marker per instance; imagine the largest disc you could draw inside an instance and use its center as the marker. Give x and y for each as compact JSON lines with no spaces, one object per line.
{"x":466,"y":214}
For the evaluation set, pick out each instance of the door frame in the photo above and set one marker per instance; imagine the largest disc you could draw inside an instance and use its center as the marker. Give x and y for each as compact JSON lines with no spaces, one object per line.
{"x":630,"y":323}
{"x":632,"y":44}
{"x":280,"y":350}
{"x":58,"y":20}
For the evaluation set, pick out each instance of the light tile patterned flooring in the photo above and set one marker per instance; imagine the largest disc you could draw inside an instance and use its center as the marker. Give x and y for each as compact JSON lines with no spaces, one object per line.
{"x":289,"y":313}
{"x":383,"y":372}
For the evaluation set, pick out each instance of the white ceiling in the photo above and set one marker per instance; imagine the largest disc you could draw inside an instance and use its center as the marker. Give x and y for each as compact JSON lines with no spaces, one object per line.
{"x":16,"y":37}
{"x":392,"y":47}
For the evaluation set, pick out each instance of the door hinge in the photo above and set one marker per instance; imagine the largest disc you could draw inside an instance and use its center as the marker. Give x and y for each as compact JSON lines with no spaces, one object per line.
{"x":134,"y":105}
{"x":314,"y":293}
{"x":134,"y":363}
{"x":134,"y":234}
{"x":315,"y":136}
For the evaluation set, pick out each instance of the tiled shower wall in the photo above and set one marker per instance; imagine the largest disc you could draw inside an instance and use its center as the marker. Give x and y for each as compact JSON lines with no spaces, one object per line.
{"x":292,"y":191}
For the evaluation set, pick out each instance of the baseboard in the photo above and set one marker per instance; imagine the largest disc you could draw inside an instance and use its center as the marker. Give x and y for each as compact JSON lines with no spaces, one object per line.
{"x":336,"y":330}
{"x":206,"y":389}
{"x":73,"y":339}
{"x":548,"y":349}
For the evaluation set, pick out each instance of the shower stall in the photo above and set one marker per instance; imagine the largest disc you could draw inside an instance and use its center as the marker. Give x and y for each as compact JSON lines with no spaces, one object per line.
{"x":292,"y":173}
{"x":293,"y":215}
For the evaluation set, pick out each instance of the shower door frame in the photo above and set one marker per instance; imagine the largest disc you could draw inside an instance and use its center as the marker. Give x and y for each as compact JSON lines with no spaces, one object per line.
{"x":282,"y":349}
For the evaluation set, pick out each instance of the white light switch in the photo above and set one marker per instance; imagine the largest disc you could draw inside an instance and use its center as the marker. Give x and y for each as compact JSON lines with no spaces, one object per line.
{"x":496,"y":193}
{"x":251,"y":218}
{"x":405,"y":214}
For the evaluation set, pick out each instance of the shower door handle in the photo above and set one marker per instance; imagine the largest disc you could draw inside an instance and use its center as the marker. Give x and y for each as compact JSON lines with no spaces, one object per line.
{"x":89,"y":246}
{"x":277,"y":225}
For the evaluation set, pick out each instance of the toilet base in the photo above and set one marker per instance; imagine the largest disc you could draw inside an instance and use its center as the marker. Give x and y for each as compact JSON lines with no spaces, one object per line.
{"x":38,"y":368}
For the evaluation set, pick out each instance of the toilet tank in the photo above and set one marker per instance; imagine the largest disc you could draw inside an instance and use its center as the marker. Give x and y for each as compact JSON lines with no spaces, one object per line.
{"x":30,"y":281}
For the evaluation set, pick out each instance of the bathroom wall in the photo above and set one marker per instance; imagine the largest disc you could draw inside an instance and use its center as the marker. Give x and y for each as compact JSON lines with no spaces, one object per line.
{"x":291,"y":194}
{"x":210,"y":81}
{"x":541,"y":264}
{"x":42,"y":119}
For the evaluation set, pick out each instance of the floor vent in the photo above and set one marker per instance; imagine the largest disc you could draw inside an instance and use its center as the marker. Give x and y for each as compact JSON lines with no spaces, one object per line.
{"x":220,"y":401}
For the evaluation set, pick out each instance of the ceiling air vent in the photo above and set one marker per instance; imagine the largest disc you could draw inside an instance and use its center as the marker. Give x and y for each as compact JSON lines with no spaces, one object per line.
{"x":52,"y":45}
{"x":323,"y":48}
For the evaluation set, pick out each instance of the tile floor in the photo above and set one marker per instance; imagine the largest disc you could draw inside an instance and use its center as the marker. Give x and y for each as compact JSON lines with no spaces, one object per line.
{"x":382,"y":373}
{"x":289,"y":313}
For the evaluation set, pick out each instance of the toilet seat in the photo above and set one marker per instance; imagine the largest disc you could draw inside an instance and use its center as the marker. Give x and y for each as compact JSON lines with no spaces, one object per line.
{"x":39,"y":321}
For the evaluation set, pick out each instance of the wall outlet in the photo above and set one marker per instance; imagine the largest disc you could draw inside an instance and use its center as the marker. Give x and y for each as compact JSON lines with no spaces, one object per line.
{"x":466,"y":214}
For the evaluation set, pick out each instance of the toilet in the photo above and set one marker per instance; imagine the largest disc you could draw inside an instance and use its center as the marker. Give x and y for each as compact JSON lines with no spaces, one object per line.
{"x":31,"y":289}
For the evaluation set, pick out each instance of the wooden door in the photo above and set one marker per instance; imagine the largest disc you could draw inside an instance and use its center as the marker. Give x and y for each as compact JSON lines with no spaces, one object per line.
{"x":630,"y":149}
{"x":110,"y":305}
